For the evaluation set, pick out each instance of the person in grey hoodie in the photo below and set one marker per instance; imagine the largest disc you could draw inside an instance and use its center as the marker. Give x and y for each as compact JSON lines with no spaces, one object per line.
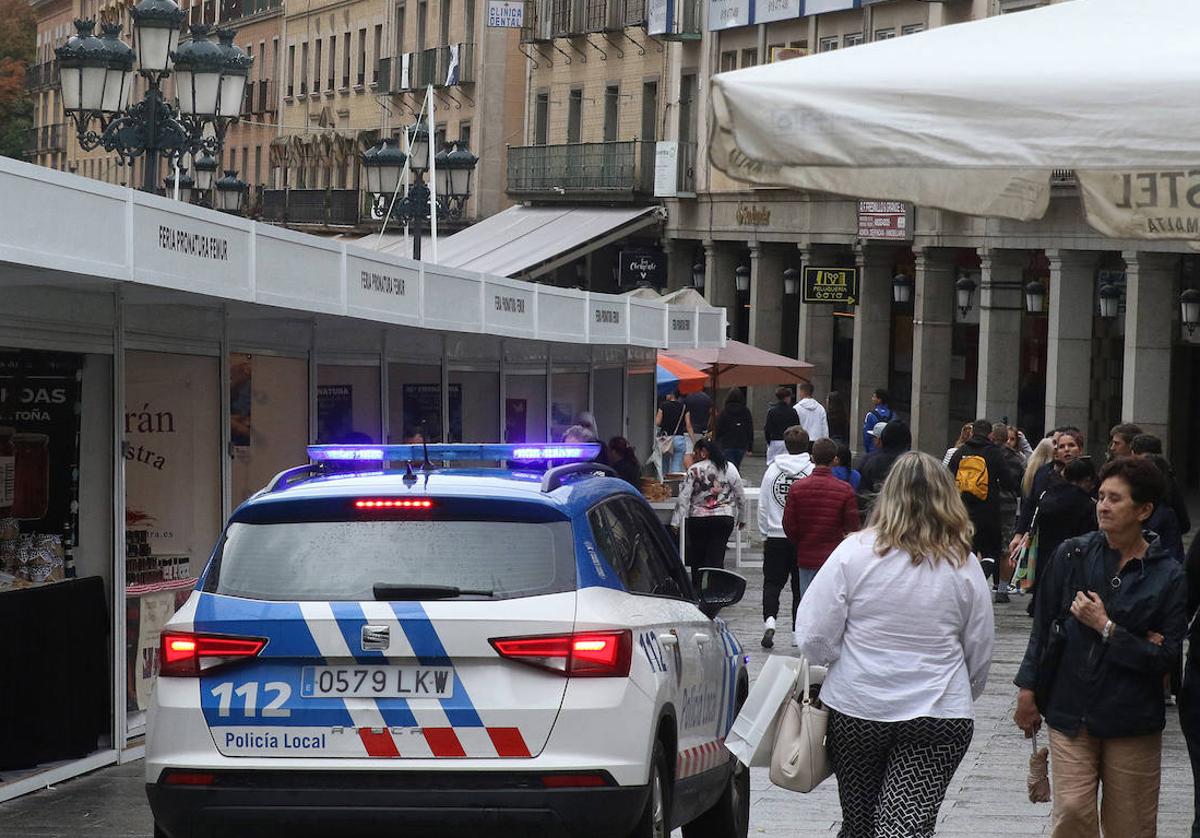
{"x":779,"y":554}
{"x":811,"y":413}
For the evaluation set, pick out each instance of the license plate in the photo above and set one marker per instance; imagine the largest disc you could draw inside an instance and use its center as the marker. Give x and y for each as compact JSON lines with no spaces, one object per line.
{"x":377,"y":682}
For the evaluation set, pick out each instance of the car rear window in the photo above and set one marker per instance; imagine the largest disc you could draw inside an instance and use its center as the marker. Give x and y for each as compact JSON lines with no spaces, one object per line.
{"x":343,"y":560}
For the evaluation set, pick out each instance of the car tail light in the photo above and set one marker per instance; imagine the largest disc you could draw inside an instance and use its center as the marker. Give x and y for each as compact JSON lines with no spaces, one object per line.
{"x":393,"y":503}
{"x":185,"y":654}
{"x":595,"y":654}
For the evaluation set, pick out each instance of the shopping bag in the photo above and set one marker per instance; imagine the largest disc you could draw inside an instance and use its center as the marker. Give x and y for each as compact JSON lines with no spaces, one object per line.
{"x":799,"y":759}
{"x":753,"y":733}
{"x":655,"y":462}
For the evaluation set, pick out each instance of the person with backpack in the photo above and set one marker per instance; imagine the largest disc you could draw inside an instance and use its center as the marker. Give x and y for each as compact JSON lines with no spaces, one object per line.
{"x":879,"y":412}
{"x":734,"y":432}
{"x":983,"y":475}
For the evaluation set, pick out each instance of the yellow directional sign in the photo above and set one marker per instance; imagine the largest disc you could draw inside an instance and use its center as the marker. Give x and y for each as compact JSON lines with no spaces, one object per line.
{"x":830,"y":285}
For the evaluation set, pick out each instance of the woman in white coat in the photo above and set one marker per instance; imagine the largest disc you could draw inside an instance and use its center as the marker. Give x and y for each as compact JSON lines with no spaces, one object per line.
{"x":901,"y":615}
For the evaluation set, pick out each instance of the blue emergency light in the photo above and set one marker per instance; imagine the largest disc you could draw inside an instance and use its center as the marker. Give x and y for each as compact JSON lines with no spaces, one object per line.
{"x":453,"y":452}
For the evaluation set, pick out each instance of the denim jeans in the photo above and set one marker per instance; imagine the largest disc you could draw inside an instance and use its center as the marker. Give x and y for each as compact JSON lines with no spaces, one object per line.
{"x":673,"y":464}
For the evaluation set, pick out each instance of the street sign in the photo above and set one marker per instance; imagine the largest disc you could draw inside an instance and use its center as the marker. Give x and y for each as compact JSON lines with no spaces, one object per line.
{"x":644,"y":266}
{"x":505,"y":14}
{"x":830,"y":285}
{"x":886,"y":220}
{"x":666,"y":169}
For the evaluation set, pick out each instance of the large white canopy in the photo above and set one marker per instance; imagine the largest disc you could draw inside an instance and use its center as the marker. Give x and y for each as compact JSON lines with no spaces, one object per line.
{"x":974,"y":117}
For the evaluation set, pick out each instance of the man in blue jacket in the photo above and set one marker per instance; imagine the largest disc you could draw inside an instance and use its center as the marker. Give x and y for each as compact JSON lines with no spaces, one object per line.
{"x":879,"y":412}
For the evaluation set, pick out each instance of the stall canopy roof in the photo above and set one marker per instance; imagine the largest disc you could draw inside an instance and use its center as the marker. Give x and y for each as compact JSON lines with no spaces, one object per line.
{"x":528,"y":241}
{"x":739,"y":364}
{"x":975,"y":117}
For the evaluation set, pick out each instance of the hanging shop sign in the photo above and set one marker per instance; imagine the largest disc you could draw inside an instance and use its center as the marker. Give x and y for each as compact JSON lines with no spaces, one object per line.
{"x":885,"y":220}
{"x":659,"y":15}
{"x":505,"y":14}
{"x":666,"y":168}
{"x":643,"y":266}
{"x":726,"y":14}
{"x":766,"y":11}
{"x":830,"y":285}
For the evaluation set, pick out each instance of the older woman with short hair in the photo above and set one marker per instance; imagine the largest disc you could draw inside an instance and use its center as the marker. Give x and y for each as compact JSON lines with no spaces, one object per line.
{"x":1114,"y":604}
{"x":903,"y":618}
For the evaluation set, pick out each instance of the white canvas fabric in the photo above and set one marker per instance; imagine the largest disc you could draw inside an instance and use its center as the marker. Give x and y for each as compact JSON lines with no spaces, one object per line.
{"x":974,"y":117}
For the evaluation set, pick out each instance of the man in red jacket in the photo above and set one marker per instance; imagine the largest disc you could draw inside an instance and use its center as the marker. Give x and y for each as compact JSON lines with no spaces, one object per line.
{"x":819,"y":512}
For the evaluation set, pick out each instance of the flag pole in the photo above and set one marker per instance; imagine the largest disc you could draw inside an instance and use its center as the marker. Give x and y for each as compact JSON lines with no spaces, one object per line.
{"x":433,"y":218}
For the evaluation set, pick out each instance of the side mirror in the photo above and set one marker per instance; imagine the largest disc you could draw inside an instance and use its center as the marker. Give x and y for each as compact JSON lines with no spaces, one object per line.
{"x":717,"y":589}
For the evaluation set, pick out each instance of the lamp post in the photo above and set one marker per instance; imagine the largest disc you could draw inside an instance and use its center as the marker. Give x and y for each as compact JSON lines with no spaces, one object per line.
{"x":231,"y":192}
{"x":902,"y":288}
{"x":1035,"y":296}
{"x":741,"y":279}
{"x":97,"y":74}
{"x":1189,"y":309}
{"x":698,"y":276}
{"x":181,"y":179}
{"x":1110,"y":300}
{"x":205,"y":167}
{"x":384,"y":166}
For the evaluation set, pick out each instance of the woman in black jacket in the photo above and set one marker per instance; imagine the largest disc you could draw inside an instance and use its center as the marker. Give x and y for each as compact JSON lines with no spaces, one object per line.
{"x":734,"y":433}
{"x":1108,"y":626}
{"x":1065,"y":510}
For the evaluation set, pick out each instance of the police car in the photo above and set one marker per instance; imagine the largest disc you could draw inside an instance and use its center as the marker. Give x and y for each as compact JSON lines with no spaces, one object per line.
{"x":377,"y":644}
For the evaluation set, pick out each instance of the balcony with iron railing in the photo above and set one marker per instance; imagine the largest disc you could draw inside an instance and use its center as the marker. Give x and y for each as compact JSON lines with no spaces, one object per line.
{"x":685,"y":183}
{"x":465,"y":74}
{"x":605,"y":171}
{"x":46,"y":138}
{"x":313,"y":207}
{"x":38,"y":76}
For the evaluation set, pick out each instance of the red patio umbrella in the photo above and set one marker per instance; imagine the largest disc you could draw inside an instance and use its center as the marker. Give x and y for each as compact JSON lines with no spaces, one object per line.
{"x":738,"y":364}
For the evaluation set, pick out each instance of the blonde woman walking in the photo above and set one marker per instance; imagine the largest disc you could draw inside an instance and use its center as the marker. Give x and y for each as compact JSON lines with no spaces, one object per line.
{"x":902,"y":616}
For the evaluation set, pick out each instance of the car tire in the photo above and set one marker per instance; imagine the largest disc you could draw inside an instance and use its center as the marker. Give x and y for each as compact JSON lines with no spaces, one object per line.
{"x":729,"y":817}
{"x":655,"y":820}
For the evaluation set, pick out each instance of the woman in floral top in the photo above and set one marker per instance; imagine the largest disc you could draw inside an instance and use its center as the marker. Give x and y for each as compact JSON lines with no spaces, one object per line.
{"x":711,"y":500}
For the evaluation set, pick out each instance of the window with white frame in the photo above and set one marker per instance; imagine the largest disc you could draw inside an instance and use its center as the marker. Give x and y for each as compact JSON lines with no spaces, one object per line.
{"x":912,"y":29}
{"x":828,"y":44}
{"x":852,"y":39}
{"x":885,"y":34}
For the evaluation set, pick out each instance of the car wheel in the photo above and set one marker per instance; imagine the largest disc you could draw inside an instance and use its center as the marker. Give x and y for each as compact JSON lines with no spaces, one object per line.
{"x":729,"y":817}
{"x":655,"y":818}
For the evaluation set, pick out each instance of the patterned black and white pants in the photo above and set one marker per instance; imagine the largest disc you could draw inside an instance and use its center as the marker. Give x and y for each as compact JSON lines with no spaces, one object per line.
{"x":892,"y":776}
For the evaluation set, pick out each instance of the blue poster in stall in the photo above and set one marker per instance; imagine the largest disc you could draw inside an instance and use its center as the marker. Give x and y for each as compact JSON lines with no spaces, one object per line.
{"x":423,"y":412}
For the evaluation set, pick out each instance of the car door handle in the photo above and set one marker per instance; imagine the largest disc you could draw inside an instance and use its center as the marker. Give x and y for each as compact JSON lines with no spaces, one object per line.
{"x":669,"y":640}
{"x":701,"y":639}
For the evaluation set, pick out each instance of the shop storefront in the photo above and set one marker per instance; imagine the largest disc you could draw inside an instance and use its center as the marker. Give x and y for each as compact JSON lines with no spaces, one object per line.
{"x":160,"y":363}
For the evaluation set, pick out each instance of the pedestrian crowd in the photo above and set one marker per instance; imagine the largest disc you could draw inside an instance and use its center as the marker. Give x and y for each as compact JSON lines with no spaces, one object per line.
{"x":891,"y":563}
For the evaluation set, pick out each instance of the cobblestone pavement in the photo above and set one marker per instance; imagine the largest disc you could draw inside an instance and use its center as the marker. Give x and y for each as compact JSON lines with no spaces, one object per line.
{"x":986,"y":798}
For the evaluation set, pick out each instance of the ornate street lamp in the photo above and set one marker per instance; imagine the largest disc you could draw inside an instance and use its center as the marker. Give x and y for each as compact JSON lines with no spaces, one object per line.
{"x":97,"y":76}
{"x":231,"y":192}
{"x":1035,"y":296}
{"x":1189,"y":309}
{"x":791,"y":282}
{"x":1110,"y":301}
{"x":185,"y":184}
{"x":965,"y":291}
{"x":741,"y":279}
{"x":902,"y":288}
{"x":205,"y":167}
{"x":383,"y":166}
{"x":698,"y":276}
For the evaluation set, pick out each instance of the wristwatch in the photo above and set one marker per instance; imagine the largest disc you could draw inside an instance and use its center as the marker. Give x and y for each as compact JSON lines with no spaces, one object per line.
{"x":1108,"y":630}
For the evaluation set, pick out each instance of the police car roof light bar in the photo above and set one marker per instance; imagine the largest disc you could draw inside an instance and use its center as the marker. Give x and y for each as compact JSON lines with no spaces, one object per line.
{"x":453,"y":452}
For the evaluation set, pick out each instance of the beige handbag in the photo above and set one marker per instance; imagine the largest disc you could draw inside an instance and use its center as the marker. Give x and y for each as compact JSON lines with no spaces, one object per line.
{"x":799,"y":760}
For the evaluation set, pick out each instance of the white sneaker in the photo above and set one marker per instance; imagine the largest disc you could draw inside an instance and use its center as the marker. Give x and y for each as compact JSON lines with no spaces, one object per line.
{"x":768,"y":638}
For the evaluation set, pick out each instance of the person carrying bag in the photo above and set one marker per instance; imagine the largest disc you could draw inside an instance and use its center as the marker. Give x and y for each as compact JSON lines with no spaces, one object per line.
{"x":799,"y":758}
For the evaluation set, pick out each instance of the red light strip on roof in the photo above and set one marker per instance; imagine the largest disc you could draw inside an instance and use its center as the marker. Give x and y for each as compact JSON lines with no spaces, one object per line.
{"x":393,"y":503}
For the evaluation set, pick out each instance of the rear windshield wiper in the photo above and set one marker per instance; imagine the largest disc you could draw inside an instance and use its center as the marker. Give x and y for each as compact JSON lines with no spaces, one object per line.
{"x":385,"y":592}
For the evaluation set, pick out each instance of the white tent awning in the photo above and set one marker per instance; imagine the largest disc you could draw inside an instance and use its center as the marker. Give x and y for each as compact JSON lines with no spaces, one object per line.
{"x":974,"y":117}
{"x":528,"y":241}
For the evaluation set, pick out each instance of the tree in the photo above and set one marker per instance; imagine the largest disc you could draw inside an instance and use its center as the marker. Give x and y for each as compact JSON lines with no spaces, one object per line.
{"x":18,"y":31}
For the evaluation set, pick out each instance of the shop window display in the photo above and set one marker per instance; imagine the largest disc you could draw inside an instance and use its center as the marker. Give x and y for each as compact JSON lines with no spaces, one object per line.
{"x":172,"y":447}
{"x":44,"y":601}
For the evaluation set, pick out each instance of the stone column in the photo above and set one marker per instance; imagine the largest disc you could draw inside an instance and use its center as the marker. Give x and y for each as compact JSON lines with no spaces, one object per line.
{"x":720,"y":261}
{"x":1001,"y":301}
{"x":815,"y":343}
{"x":933,"y":319}
{"x":1150,"y":300}
{"x":872,"y":333}
{"x":1072,"y":310}
{"x":766,"y":319}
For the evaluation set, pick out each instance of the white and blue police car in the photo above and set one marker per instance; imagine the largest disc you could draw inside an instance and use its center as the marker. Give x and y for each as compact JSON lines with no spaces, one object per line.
{"x":380,"y":649}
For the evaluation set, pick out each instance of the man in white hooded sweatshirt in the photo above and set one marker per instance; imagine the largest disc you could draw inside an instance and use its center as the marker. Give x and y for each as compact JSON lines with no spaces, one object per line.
{"x":779,"y":554}
{"x":811,"y":413}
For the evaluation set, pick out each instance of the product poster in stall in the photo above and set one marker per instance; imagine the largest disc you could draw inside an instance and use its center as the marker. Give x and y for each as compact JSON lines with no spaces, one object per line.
{"x":335,"y":413}
{"x":241,"y":398}
{"x":160,"y":461}
{"x":145,"y":617}
{"x":39,"y":461}
{"x":423,"y":411}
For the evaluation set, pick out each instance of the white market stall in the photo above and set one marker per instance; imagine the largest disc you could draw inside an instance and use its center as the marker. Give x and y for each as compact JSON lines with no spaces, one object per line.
{"x":975,"y":117}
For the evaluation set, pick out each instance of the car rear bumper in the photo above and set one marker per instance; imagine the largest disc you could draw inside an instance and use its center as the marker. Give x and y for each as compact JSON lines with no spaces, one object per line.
{"x":299,"y":803}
